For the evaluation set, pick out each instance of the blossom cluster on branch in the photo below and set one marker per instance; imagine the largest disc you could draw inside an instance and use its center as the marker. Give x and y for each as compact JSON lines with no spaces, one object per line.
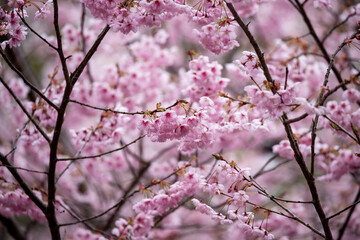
{"x":172,"y":119}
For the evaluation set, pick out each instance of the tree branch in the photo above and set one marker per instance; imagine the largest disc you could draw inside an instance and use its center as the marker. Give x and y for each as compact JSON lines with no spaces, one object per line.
{"x":22,"y":184}
{"x":104,"y":153}
{"x":353,"y":206}
{"x":24,"y":110}
{"x":32,"y":87}
{"x":11,"y":228}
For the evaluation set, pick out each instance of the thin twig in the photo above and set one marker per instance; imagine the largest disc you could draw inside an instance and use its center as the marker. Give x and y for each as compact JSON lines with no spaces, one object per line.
{"x":78,"y":153}
{"x":25,"y":111}
{"x":301,"y":10}
{"x":342,"y":129}
{"x":32,"y":87}
{"x":102,"y":154}
{"x":343,"y":227}
{"x":336,"y":26}
{"x":345,"y":209}
{"x":125,"y":113}
{"x":36,"y":33}
{"x":272,"y":198}
{"x":83,"y":40}
{"x":293,"y":120}
{"x":258,"y":173}
{"x":76,"y":216}
{"x":287,"y":200}
{"x":135,"y":181}
{"x":121,"y":201}
{"x":23,"y":169}
{"x":76,"y":74}
{"x":330,"y":92}
{"x":276,"y":166}
{"x":23,"y":184}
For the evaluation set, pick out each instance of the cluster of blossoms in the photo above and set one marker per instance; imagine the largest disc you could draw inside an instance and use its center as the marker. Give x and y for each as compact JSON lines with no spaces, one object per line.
{"x":342,"y":113}
{"x":219,"y":37}
{"x":10,"y":20}
{"x":10,"y":24}
{"x":87,"y":138}
{"x":14,"y":202}
{"x":237,"y":183}
{"x":204,"y":79}
{"x":162,"y":201}
{"x":336,"y":165}
{"x":128,"y":16}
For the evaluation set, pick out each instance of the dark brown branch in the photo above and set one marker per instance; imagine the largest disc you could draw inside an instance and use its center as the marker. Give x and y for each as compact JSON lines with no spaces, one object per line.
{"x":330,"y":92}
{"x":121,"y":201}
{"x":309,"y":179}
{"x":24,"y":169}
{"x":24,"y":110}
{"x":337,"y":26}
{"x":76,"y":74}
{"x":253,"y":42}
{"x":261,"y":170}
{"x":23,"y":184}
{"x":59,"y":42}
{"x":36,"y":33}
{"x":293,"y":120}
{"x":343,"y":227}
{"x":51,"y":217}
{"x":135,"y":181}
{"x":298,"y":155}
{"x":11,"y":228}
{"x":30,"y":85}
{"x":340,"y":128}
{"x":309,"y":25}
{"x":312,"y":147}
{"x":104,"y":153}
{"x":345,"y":209}
{"x":70,"y":81}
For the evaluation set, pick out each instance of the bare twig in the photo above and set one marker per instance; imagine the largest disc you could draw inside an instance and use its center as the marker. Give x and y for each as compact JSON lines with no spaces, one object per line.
{"x":341,"y":129}
{"x":23,"y":169}
{"x":36,"y":33}
{"x":353,"y":206}
{"x":125,"y":113}
{"x":24,"y":110}
{"x":76,"y":74}
{"x":30,"y":85}
{"x":23,"y":184}
{"x":102,"y":154}
{"x":345,"y":209}
{"x":337,"y":26}
{"x":261,"y":170}
{"x":120,"y":202}
{"x":301,"y":10}
{"x":299,"y":118}
{"x":77,"y":217}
